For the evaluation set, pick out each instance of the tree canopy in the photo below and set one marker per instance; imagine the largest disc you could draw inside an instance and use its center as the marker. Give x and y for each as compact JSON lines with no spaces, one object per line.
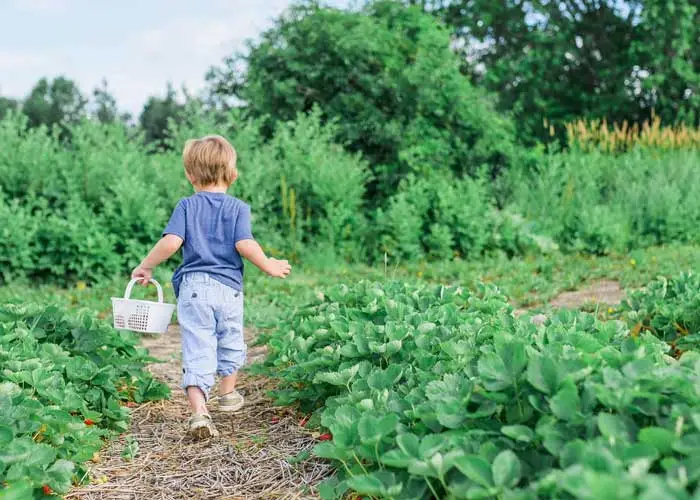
{"x":386,"y":75}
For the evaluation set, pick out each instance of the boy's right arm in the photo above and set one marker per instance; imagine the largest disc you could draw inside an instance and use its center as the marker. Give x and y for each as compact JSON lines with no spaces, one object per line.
{"x":252,"y":251}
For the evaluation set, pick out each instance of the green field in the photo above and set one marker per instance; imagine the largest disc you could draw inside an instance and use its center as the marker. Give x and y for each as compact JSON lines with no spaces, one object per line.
{"x":491,"y":210}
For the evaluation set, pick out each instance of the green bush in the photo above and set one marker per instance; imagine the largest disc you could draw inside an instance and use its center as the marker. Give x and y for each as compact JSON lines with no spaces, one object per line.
{"x":93,"y":207}
{"x":444,"y":217}
{"x":598,"y":203}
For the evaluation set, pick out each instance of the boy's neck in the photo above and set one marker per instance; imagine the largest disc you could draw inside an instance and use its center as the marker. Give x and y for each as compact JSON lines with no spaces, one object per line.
{"x":213,"y":188}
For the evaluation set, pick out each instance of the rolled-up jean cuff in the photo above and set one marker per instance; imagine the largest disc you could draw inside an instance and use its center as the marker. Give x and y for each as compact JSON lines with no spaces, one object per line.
{"x":204,"y":382}
{"x":231,"y":366}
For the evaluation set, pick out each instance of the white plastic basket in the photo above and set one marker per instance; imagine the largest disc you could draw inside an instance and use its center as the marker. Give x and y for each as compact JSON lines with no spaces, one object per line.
{"x":141,"y":315}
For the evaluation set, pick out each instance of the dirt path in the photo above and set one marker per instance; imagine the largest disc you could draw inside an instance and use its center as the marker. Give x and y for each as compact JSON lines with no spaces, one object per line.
{"x":248,"y":461}
{"x":604,"y":292}
{"x":601,"y":292}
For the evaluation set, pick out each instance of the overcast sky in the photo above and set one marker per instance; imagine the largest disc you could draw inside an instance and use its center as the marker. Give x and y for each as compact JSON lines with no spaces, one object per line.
{"x":138,"y":46}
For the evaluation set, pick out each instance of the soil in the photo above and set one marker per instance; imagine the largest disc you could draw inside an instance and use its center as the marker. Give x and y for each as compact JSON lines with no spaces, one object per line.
{"x":601,"y":292}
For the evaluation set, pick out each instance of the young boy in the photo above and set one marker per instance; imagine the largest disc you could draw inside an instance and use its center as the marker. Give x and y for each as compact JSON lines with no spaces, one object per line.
{"x":215,"y":229}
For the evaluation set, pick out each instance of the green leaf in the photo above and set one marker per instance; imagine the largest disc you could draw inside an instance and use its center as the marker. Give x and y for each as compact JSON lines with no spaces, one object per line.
{"x":379,"y":483}
{"x":638,"y":451}
{"x":373,"y":429}
{"x":566,"y":404}
{"x":332,"y":488}
{"x":131,"y":450}
{"x":409,"y":444}
{"x":513,"y":354}
{"x":658,"y":437}
{"x":476,"y":493}
{"x":506,"y":469}
{"x":20,"y":490}
{"x":340,"y":378}
{"x":19,"y":450}
{"x":366,"y":485}
{"x":494,"y":373}
{"x":542,"y":374}
{"x":59,"y":476}
{"x":689,"y":444}
{"x":329,"y":450}
{"x":475,"y":468}
{"x":6,"y":435}
{"x":385,"y":379}
{"x":612,"y":426}
{"x":519,"y":433}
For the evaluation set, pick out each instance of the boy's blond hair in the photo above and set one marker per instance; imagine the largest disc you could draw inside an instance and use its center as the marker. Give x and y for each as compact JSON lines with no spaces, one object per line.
{"x":210,"y":160}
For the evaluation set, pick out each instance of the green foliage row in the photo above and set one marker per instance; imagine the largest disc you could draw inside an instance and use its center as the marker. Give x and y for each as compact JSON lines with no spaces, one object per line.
{"x":92,"y":209}
{"x":669,"y":309}
{"x":63,"y":384}
{"x":434,"y":392}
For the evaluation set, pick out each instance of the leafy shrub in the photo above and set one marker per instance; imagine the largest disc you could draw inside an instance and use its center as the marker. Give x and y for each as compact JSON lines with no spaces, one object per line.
{"x":17,"y":239}
{"x":434,"y":392}
{"x":597,"y":203}
{"x":93,"y":209}
{"x":63,"y":384}
{"x":444,"y":217}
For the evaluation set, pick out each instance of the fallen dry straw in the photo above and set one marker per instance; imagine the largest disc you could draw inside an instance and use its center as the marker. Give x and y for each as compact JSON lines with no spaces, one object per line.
{"x":249,"y":460}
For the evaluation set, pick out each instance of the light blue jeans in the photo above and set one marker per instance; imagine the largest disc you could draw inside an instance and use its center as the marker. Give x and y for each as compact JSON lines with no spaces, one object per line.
{"x":211,"y":326}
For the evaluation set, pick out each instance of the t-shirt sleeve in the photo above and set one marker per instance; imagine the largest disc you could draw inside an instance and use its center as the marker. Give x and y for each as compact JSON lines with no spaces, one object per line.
{"x":177,"y":224}
{"x":243,"y":231}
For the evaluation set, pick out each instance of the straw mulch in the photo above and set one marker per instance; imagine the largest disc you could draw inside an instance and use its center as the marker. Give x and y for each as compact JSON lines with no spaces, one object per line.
{"x":249,"y":460}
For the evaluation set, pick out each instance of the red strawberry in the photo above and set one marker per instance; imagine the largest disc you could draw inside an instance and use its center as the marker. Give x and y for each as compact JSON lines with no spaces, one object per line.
{"x":275,"y":420}
{"x":325,"y":437}
{"x":89,"y":422}
{"x":47,"y":490}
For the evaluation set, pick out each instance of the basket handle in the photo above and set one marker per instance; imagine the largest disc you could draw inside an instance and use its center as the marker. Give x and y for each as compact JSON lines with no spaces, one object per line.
{"x":130,"y":287}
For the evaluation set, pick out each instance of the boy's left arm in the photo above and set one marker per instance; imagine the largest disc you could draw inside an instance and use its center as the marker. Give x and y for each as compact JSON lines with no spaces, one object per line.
{"x":162,"y":251}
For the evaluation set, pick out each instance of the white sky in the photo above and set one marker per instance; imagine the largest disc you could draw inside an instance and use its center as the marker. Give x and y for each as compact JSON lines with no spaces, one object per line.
{"x":138,"y":46}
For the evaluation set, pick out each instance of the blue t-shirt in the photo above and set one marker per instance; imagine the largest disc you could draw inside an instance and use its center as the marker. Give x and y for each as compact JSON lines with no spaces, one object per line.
{"x":211,"y":224}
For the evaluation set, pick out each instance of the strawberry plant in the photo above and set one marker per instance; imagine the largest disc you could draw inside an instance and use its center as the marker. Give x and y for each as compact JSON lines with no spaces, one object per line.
{"x":669,"y":309}
{"x":64,"y":384}
{"x":434,"y":392}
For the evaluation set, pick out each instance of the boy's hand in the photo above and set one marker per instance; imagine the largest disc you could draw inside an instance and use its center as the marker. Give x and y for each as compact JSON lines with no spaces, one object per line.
{"x":143,"y":274}
{"x":277,"y":268}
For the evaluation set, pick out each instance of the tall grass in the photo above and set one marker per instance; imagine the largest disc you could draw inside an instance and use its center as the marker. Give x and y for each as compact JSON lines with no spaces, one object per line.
{"x":598,"y":135}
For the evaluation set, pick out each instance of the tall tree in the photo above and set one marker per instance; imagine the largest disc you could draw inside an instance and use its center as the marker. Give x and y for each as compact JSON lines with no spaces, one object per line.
{"x":562,"y":60}
{"x":668,"y":54}
{"x":156,"y":114}
{"x":7,"y":104}
{"x":104,"y":105}
{"x":386,"y":75}
{"x":54,"y":102}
